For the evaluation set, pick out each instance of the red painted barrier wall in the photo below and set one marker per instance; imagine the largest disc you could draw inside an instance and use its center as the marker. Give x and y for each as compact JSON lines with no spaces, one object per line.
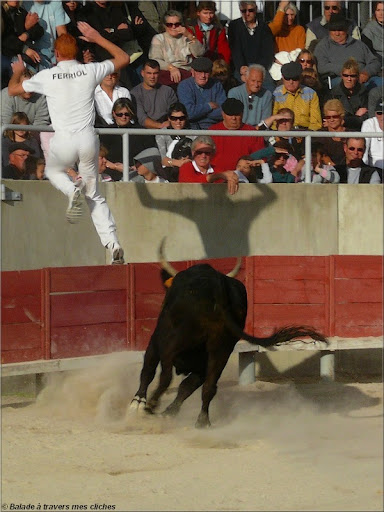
{"x":55,"y":313}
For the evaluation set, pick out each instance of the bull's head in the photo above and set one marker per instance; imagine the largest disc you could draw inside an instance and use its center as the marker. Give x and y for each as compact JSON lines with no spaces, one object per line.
{"x":165,"y":265}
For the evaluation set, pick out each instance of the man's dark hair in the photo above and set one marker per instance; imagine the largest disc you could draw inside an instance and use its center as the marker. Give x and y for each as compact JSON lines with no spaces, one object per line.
{"x":151,"y":63}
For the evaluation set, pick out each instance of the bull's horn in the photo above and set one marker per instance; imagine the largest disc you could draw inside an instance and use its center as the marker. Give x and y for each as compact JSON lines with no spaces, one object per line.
{"x":236,"y":268}
{"x":164,"y":263}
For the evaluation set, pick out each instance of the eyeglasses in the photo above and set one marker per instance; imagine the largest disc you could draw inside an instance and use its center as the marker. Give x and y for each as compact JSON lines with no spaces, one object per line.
{"x":285,"y":120}
{"x":360,"y":150}
{"x":333,"y":117}
{"x":308,"y":61}
{"x":345,"y":75}
{"x":203,"y":152}
{"x":294,"y":79}
{"x":173,"y":25}
{"x":177,"y":118}
{"x":379,"y":113}
{"x":332,"y":7}
{"x":123,"y":114}
{"x":243,"y":11}
{"x":283,"y":155}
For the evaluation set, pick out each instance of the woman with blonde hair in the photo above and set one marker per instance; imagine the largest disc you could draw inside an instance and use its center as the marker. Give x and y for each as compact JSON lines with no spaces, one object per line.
{"x":333,"y":121}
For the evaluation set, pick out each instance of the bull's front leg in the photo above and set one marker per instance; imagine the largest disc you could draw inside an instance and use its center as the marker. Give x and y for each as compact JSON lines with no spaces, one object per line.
{"x":151,"y":360}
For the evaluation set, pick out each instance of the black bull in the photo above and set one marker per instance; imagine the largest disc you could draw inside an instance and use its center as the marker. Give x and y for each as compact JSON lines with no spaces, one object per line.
{"x":202,"y":318}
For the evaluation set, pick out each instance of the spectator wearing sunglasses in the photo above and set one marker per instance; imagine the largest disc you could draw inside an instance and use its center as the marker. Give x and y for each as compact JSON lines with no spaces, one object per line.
{"x":124,"y":116}
{"x":354,"y":170}
{"x":251,"y":41}
{"x":202,"y":95}
{"x":106,"y":93}
{"x":257,"y":100}
{"x":352,"y":94}
{"x":335,"y":49}
{"x":302,"y":100}
{"x":201,"y":169}
{"x":317,"y":29}
{"x":333,"y":121}
{"x":306,"y":59}
{"x":321,"y":172}
{"x":374,"y":151}
{"x":174,"y":50}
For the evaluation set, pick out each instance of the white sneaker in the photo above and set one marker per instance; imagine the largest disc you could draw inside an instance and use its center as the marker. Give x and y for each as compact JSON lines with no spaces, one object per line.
{"x":117,"y":253}
{"x":75,"y":206}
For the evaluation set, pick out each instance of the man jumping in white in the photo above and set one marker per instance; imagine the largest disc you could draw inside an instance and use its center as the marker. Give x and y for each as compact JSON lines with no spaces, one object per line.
{"x":70,"y":90}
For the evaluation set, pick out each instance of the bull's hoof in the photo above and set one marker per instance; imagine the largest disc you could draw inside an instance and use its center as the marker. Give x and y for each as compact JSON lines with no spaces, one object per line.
{"x":202,"y":421}
{"x":171,"y":410}
{"x":137,"y":405}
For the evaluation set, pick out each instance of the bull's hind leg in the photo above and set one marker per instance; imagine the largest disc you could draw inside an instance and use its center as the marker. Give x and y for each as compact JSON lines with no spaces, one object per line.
{"x":216,"y":365}
{"x":151,"y":360}
{"x":186,"y":388}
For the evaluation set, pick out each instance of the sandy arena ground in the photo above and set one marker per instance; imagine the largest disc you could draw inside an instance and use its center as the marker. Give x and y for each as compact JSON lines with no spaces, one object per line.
{"x":272,"y":446}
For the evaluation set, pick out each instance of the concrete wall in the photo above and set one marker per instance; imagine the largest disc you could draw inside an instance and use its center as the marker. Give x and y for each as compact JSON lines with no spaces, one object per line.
{"x":197,"y":220}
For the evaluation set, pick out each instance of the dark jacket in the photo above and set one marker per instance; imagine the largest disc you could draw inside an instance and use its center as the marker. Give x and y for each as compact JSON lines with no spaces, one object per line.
{"x":365,"y":173}
{"x":137,"y":143}
{"x":250,"y":49}
{"x":351,"y":103}
{"x":13,"y":25}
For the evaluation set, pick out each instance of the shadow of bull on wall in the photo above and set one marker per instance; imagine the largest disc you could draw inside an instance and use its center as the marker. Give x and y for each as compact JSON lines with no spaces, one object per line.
{"x":230,"y":226}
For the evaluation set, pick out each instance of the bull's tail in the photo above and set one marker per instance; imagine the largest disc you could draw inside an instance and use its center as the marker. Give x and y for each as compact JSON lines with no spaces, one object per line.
{"x":282,"y":335}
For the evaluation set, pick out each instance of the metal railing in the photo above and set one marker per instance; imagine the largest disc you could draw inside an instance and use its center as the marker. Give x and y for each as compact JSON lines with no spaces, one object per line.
{"x":126,"y":132}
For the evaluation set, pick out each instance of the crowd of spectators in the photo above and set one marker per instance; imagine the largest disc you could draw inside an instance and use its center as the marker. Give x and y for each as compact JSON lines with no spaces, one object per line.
{"x":189,"y":69}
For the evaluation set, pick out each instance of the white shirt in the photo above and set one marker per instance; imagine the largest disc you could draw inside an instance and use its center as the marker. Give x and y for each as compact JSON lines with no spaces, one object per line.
{"x":70,"y":91}
{"x":209,"y":171}
{"x":374,"y":150}
{"x":104,"y":103}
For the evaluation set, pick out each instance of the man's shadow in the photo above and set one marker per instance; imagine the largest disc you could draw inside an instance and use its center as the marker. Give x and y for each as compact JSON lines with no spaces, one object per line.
{"x":230,"y":225}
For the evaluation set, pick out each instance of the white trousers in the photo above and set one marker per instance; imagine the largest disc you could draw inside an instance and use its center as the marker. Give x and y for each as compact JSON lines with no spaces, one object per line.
{"x":67,"y":149}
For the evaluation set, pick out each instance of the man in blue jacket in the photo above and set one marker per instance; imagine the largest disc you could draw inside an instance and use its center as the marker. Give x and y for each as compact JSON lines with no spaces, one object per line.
{"x":202,"y":95}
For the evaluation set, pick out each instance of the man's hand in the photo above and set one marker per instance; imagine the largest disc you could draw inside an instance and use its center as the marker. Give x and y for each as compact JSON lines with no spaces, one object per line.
{"x":232,"y":182}
{"x":32,"y":54}
{"x":175,"y":74}
{"x":18,"y":66}
{"x":89,"y":33}
{"x":361,"y":111}
{"x":30,"y":20}
{"x":213,"y":105}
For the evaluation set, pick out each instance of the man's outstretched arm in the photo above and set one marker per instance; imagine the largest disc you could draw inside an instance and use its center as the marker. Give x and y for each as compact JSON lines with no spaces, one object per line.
{"x":120,"y":58}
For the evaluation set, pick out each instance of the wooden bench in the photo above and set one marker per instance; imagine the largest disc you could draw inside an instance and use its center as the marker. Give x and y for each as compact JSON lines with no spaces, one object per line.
{"x":245,"y":350}
{"x":247,"y":353}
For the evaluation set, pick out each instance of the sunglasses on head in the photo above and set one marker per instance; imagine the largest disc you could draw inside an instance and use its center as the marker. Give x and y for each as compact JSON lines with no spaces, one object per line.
{"x":173,"y":25}
{"x":345,"y":75}
{"x":243,"y":11}
{"x":308,"y":61}
{"x":352,"y":148}
{"x":123,"y":114}
{"x":177,"y":118}
{"x":203,"y":152}
{"x":333,"y":7}
{"x":332,"y":117}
